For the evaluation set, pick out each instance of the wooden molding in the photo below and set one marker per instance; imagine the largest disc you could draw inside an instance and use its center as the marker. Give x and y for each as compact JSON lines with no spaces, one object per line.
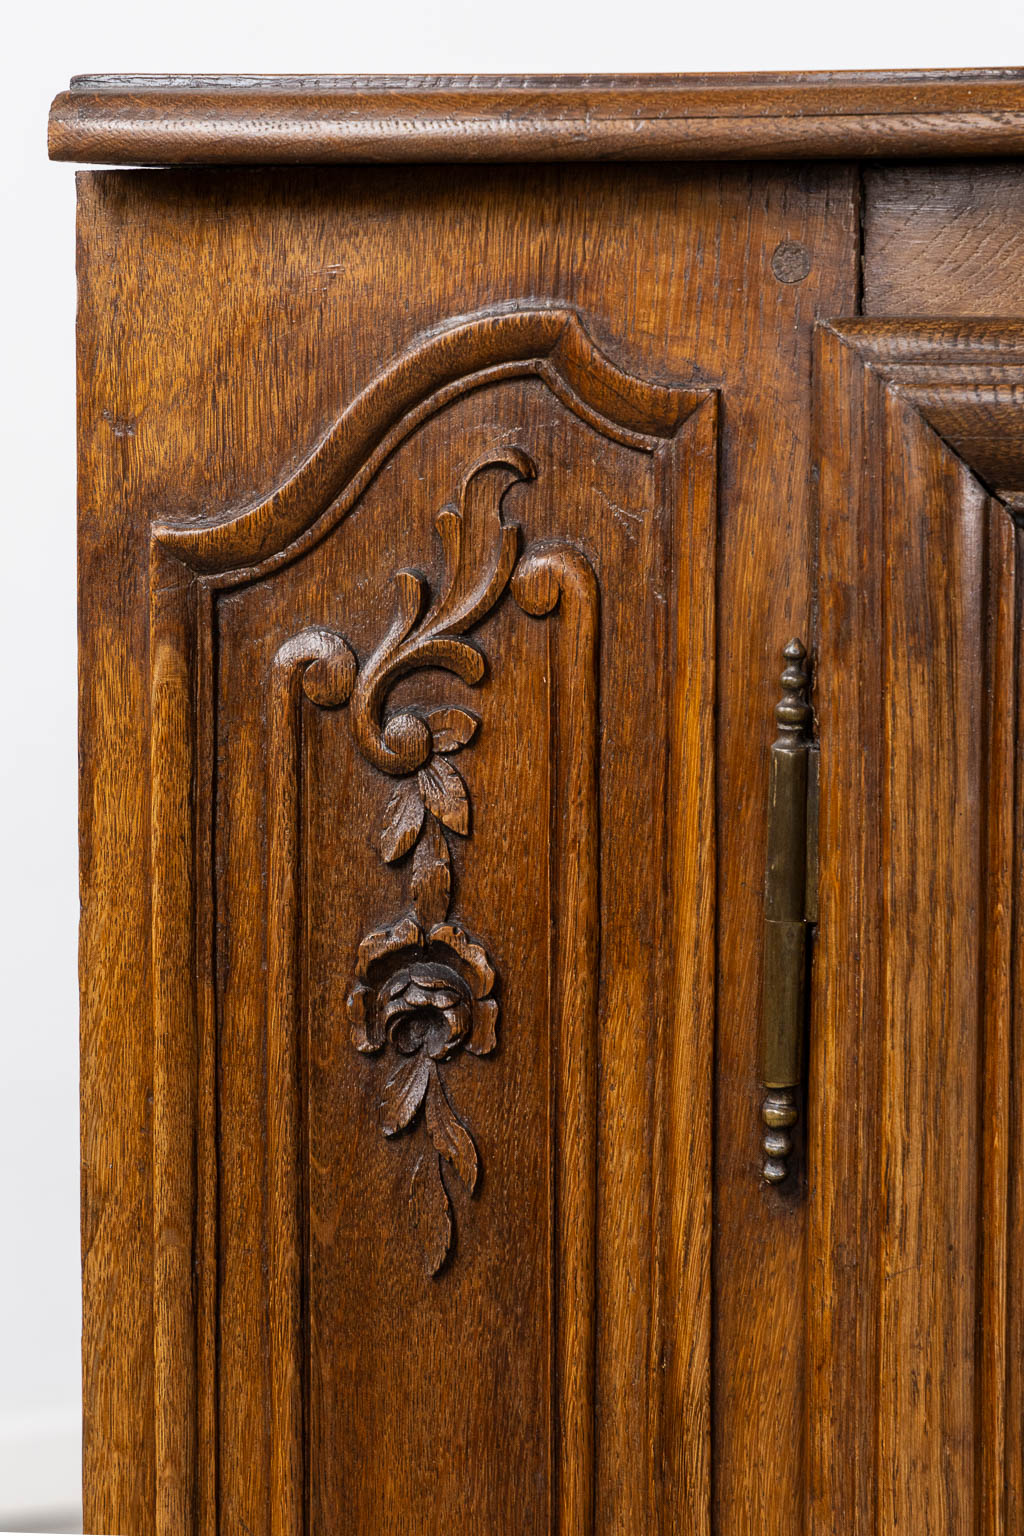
{"x":549,"y":343}
{"x":315,"y":661}
{"x":966,"y":378}
{"x":331,"y":119}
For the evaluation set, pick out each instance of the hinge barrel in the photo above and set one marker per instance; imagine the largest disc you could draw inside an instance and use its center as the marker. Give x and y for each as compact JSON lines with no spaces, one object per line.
{"x":790,"y":904}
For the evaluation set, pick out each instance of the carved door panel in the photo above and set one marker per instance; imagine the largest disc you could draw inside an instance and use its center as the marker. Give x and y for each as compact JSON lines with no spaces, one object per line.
{"x":915,"y":1099}
{"x":434,"y":580}
{"x":455,"y":870}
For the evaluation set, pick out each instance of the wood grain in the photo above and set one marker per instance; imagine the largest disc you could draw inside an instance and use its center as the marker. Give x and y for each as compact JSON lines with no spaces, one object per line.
{"x":931,"y":852}
{"x":562,"y":578}
{"x":914,"y":991}
{"x":641,"y":1362}
{"x":289,"y":296}
{"x":1000,"y":1144}
{"x":1008,"y":1487}
{"x":944,"y":240}
{"x":440,"y":527}
{"x":844,"y":1060}
{"x":185,"y":120}
{"x":548,"y":343}
{"x":175,"y":1040}
{"x":289,"y":672}
{"x":682,"y":1430}
{"x":117,"y":1044}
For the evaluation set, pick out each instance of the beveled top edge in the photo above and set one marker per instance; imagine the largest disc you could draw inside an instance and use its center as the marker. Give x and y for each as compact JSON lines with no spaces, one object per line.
{"x":335,"y":119}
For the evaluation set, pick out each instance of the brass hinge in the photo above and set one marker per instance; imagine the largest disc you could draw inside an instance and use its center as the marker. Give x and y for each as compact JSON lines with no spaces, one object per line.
{"x":790,"y":908}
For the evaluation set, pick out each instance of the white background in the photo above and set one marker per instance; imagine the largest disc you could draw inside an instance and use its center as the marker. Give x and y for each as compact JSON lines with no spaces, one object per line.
{"x":45,"y":44}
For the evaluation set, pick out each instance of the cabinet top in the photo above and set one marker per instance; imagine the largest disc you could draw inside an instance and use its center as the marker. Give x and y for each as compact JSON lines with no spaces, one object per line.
{"x":333,"y":119}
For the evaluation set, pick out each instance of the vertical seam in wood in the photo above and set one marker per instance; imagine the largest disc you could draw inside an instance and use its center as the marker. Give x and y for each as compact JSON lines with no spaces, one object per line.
{"x":860,"y":204}
{"x":659,"y":1146}
{"x":874,"y":426}
{"x":207,"y":1177}
{"x":172,"y":843}
{"x":304,"y":1365}
{"x":1013,"y":965}
{"x":995,"y":1077}
{"x":1015,"y":1143}
{"x":715,"y":955}
{"x":881,"y":412}
{"x":982,"y":1319}
{"x":554,"y":1493}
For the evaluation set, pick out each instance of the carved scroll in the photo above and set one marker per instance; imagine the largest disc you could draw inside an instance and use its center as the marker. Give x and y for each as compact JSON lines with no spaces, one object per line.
{"x":423,"y":987}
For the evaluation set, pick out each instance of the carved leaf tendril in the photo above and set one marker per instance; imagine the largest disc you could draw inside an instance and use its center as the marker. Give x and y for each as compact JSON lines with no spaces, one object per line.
{"x":403,"y":1094}
{"x":430,"y":1211}
{"x":444,"y":794}
{"x":423,"y":986}
{"x":402,"y":822}
{"x":403,"y":742}
{"x":448,"y":1134}
{"x":451,"y":728}
{"x":431,"y":875}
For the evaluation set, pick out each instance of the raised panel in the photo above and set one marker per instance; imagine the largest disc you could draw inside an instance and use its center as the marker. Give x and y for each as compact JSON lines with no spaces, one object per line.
{"x":915,"y":1083}
{"x":464,"y":919}
{"x":227,"y":319}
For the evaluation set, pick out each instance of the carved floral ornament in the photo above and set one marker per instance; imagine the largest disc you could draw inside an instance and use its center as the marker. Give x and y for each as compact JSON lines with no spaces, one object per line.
{"x":423,"y":987}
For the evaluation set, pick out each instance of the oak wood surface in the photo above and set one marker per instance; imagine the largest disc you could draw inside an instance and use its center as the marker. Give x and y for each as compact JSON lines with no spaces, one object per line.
{"x":944,"y":240}
{"x":274,"y":269}
{"x":914,"y":1066}
{"x":326,"y":119}
{"x":440,"y":531}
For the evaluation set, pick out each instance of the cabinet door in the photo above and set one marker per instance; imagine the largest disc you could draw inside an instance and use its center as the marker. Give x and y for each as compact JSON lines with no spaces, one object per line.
{"x":916,"y":1143}
{"x":440,"y":528}
{"x":453,"y":859}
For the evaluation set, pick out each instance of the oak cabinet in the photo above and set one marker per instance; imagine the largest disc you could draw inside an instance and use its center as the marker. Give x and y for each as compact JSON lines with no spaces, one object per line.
{"x":443,"y":530}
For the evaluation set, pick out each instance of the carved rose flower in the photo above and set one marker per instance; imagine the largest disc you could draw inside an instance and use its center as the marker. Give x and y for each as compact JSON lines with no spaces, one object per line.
{"x":426,"y":1008}
{"x":425,"y":990}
